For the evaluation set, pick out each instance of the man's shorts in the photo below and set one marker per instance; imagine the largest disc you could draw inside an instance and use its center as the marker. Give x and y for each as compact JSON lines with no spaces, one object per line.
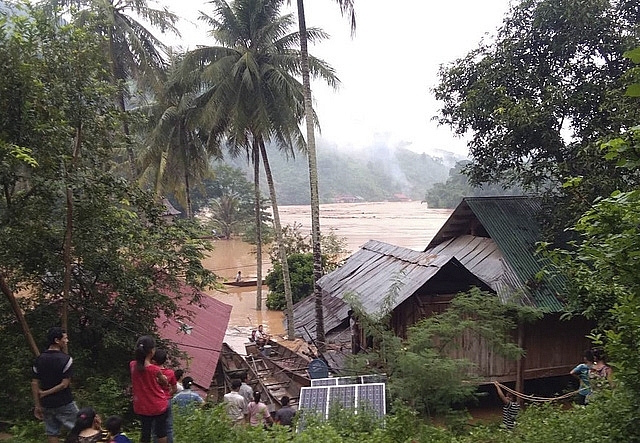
{"x":54,"y":418}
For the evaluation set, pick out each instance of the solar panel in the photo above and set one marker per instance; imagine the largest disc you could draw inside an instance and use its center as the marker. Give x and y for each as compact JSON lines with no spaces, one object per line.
{"x":324,"y":381}
{"x":354,"y":396}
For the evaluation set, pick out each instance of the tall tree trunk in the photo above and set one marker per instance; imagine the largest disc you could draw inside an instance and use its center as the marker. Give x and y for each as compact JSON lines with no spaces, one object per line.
{"x":187,"y":186}
{"x":256,"y":183}
{"x":4,"y":286}
{"x":281,"y":249}
{"x":313,"y":178}
{"x":68,"y":234}
{"x":120,"y":84}
{"x":133,"y":165}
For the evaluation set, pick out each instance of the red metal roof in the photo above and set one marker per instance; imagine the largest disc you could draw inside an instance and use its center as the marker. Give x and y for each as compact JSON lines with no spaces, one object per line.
{"x":207,"y":325}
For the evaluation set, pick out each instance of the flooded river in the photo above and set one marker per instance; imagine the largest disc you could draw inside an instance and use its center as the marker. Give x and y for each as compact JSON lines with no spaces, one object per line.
{"x":407,"y":224}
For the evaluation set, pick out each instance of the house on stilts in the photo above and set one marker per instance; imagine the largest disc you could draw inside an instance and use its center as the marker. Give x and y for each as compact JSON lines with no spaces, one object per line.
{"x":487,"y":242}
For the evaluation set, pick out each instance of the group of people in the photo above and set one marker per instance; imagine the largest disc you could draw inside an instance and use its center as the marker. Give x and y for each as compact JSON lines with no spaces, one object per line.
{"x":54,"y":402}
{"x":155,"y":391}
{"x":591,"y":373}
{"x":155,"y":387}
{"x":244,"y":406}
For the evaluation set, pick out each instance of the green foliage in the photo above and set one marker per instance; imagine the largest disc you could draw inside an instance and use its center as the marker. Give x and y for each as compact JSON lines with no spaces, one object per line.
{"x":450,"y":194}
{"x":295,"y":242}
{"x":301,"y":273}
{"x":606,"y":288}
{"x":537,"y":98}
{"x":297,"y":246}
{"x":125,"y":258}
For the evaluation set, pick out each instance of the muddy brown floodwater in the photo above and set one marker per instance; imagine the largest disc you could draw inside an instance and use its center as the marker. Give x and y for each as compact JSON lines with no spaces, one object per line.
{"x":407,"y":224}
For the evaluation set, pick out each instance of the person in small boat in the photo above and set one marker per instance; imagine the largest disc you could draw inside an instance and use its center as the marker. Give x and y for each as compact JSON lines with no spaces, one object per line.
{"x":87,"y":428}
{"x":239,"y":277}
{"x":261,"y":337}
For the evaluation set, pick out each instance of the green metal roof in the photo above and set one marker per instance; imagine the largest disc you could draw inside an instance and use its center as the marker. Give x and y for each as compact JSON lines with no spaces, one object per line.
{"x":512,"y":222}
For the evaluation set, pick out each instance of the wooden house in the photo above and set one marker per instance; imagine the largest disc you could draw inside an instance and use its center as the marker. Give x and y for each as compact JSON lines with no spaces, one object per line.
{"x":488,"y":242}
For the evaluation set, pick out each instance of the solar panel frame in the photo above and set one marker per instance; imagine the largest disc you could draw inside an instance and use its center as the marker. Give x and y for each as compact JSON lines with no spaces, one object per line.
{"x":350,"y":380}
{"x":320,"y":398}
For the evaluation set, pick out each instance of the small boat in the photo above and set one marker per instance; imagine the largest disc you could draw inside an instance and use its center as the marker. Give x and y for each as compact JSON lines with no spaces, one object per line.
{"x":278,"y":381}
{"x":263,"y":376}
{"x":243,"y":283}
{"x":232,"y":365}
{"x":290,"y":362}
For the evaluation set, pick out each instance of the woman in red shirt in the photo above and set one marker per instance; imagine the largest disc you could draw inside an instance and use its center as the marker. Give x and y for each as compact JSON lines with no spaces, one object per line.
{"x":149,"y":399}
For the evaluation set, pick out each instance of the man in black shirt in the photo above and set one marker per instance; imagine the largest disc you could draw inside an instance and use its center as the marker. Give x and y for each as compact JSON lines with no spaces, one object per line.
{"x":51,"y":388}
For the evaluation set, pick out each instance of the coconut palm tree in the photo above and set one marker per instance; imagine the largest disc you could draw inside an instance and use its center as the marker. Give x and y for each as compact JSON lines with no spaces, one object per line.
{"x":252,"y":96}
{"x":174,"y":155}
{"x":346,"y":7}
{"x":133,"y":51}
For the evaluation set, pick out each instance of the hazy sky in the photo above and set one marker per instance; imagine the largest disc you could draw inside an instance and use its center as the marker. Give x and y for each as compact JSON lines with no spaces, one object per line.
{"x":387,"y":70}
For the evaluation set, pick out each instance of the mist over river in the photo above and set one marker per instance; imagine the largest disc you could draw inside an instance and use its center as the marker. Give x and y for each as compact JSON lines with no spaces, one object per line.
{"x":407,"y":224}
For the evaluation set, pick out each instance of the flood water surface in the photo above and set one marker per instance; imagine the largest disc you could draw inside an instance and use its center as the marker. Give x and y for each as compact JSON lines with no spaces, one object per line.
{"x":407,"y":224}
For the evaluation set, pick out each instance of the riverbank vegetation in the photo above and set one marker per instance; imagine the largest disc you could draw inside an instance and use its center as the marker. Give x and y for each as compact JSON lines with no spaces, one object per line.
{"x":85,"y":242}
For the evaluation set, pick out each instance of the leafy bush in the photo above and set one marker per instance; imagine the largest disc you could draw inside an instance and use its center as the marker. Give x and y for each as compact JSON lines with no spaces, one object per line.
{"x":301,"y":273}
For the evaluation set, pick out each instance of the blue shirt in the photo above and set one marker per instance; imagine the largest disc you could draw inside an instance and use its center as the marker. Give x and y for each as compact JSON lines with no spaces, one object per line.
{"x":582,"y":371}
{"x":187,"y":398}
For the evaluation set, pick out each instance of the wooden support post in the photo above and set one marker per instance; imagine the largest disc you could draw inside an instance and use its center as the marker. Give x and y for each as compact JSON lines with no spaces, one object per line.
{"x":520,"y":363}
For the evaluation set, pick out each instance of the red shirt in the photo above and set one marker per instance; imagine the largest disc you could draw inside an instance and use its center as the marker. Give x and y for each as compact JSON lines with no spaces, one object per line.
{"x":148,"y":396}
{"x":171,"y":378}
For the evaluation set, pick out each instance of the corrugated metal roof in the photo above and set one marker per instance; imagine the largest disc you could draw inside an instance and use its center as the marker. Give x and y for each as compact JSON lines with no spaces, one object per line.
{"x":482,"y":257}
{"x":512,"y":222}
{"x":208,"y":325}
{"x":371,"y":274}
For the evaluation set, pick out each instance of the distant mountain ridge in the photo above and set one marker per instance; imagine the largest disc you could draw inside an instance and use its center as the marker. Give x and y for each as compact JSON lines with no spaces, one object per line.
{"x":376,"y":174}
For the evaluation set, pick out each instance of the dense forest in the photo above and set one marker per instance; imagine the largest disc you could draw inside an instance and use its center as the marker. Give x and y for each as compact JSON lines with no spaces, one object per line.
{"x":377,"y":174}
